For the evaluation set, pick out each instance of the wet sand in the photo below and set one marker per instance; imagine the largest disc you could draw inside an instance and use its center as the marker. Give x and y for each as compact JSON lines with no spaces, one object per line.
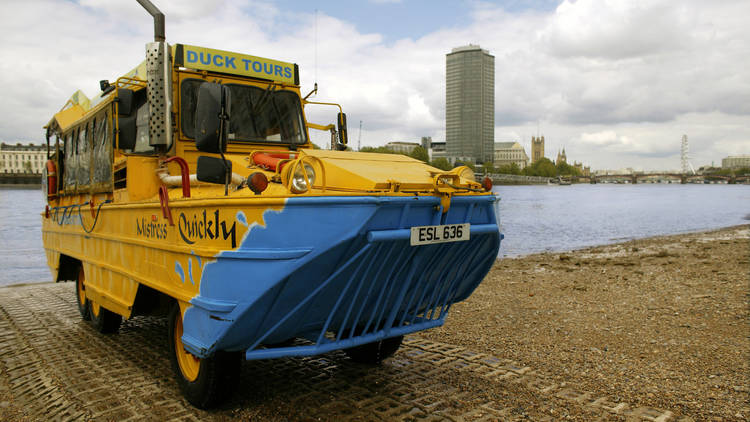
{"x":661,"y":321}
{"x":652,"y":330}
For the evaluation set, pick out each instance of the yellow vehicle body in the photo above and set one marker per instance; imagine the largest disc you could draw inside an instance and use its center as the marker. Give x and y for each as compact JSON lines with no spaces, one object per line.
{"x":250,"y":265}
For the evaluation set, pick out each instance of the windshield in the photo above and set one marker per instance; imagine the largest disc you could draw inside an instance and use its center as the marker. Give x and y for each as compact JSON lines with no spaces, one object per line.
{"x":256,"y":114}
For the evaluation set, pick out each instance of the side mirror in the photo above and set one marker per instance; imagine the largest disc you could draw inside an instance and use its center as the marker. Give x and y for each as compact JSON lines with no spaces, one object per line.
{"x":125,"y":99}
{"x":212,"y":118}
{"x":128,"y":131}
{"x":212,"y":170}
{"x":343,"y":136}
{"x":126,"y":118}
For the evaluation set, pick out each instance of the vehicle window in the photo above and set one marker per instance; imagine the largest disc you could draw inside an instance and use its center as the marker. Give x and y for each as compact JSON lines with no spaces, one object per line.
{"x":102,"y":135}
{"x":142,"y":134}
{"x":188,"y":98}
{"x":82,"y":144}
{"x":83,"y":162}
{"x":71,"y":160}
{"x":257,"y":115}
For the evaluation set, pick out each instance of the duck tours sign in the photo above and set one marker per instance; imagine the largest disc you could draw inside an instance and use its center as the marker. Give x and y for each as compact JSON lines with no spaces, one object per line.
{"x":201,"y":58}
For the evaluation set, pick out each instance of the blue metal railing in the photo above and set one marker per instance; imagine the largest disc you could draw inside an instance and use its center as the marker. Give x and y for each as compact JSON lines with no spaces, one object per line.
{"x":393,"y":289}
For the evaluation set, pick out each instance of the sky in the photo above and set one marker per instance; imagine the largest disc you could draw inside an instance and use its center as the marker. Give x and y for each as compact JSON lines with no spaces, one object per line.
{"x":616,"y":83}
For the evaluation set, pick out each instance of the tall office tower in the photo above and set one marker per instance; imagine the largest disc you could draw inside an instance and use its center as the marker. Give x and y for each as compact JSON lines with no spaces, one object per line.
{"x":470,"y":104}
{"x":537,"y":149}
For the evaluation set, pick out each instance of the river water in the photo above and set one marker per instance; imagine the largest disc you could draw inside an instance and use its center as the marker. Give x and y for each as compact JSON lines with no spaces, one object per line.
{"x":559,"y":218}
{"x":532,"y":218}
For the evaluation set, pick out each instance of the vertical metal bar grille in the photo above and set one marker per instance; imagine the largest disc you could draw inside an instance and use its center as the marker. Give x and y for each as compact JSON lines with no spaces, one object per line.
{"x":387,"y":288}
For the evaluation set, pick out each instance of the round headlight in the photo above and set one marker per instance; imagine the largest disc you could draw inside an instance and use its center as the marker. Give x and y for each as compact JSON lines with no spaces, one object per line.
{"x":298,"y":183}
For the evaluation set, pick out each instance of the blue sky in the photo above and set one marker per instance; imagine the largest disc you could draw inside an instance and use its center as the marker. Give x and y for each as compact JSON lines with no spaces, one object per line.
{"x":615,"y":82}
{"x":396,"y":20}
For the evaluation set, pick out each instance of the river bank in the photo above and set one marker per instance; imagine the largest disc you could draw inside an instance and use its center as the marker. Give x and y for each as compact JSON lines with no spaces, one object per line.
{"x":660,"y":321}
{"x":649,"y":330}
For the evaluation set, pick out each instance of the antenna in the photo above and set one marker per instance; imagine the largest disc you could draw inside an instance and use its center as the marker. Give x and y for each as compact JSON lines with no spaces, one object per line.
{"x":359,"y":140}
{"x":316,"y":48}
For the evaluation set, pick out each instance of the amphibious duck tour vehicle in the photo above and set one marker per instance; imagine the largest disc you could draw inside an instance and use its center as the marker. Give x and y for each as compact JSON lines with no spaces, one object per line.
{"x":190,"y":188}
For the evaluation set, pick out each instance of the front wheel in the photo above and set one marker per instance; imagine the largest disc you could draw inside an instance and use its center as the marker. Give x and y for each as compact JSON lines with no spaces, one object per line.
{"x":375,"y":352}
{"x":204,"y":382}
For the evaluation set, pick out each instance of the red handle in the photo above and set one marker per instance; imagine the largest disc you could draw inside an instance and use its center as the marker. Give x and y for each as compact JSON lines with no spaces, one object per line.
{"x":185,"y":171}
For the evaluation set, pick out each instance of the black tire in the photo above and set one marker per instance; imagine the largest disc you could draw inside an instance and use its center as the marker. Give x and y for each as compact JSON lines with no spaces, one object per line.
{"x":83,"y":302}
{"x":217,"y":376}
{"x":104,"y":320}
{"x":377,"y":351}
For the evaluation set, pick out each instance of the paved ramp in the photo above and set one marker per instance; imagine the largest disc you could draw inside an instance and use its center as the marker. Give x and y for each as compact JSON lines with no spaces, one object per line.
{"x":56,"y":367}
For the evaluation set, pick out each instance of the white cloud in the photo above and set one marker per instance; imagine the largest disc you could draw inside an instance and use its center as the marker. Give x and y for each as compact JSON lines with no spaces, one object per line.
{"x":615,"y":82}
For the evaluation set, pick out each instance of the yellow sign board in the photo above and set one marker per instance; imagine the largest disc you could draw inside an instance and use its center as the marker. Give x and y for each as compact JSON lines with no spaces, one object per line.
{"x":201,"y":58}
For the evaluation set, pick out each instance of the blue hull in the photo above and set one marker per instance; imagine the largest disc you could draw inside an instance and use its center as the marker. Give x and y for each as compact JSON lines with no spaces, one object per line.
{"x":339,"y":272}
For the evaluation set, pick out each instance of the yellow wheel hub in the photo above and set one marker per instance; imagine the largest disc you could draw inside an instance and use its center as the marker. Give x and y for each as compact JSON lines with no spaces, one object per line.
{"x":189,"y":364}
{"x":79,"y":286}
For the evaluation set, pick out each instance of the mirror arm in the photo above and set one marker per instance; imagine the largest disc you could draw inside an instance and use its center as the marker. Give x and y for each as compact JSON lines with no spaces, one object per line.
{"x":331,"y":104}
{"x":314,"y":91}
{"x":224,"y":120}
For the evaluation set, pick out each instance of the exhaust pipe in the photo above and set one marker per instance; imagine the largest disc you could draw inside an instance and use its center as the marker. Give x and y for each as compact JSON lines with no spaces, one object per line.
{"x":158,"y":19}
{"x":158,"y":78}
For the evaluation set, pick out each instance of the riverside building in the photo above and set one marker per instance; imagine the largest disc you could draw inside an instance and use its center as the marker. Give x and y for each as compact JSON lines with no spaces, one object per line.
{"x":25,"y":159}
{"x":507,"y":153}
{"x":735,"y":161}
{"x":470,"y":104}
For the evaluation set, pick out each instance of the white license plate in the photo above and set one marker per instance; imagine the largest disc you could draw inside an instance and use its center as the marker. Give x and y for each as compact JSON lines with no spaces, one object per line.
{"x":425,"y":235}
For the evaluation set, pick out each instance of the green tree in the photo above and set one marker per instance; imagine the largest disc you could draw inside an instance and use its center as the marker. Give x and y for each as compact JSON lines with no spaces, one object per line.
{"x":420,"y":154}
{"x":442,"y":163}
{"x":511,"y":168}
{"x":564,"y":169}
{"x":543,"y":167}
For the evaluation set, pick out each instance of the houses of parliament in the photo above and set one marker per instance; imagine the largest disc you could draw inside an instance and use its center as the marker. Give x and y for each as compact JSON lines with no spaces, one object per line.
{"x":537,"y":152}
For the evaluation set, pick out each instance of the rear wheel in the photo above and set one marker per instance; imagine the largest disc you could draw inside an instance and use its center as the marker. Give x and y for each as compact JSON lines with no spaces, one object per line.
{"x":105,"y":321}
{"x":375,"y":352}
{"x":83,"y":303}
{"x":204,"y":382}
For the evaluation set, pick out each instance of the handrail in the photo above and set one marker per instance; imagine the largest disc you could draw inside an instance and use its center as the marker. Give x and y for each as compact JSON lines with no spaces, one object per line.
{"x":184,"y":171}
{"x":125,"y":81}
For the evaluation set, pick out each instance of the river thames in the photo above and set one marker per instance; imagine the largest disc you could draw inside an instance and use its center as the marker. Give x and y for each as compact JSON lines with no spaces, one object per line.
{"x":532,"y":218}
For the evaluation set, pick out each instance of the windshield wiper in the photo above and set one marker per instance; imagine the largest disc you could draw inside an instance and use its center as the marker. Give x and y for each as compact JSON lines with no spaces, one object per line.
{"x":258,"y":106}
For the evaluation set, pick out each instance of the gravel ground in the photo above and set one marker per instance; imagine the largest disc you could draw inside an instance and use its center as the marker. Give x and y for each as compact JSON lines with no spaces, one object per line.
{"x":649,"y":330}
{"x":660,"y":321}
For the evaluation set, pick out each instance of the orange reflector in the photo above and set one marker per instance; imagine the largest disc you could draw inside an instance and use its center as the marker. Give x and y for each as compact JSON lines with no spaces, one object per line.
{"x":257,"y":182}
{"x":487,"y":183}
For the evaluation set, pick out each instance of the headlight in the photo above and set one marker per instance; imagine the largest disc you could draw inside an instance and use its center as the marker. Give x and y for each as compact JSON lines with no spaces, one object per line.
{"x":298,"y":183}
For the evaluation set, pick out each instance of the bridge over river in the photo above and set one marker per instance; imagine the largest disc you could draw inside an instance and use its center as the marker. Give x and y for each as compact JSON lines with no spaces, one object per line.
{"x":633,"y":178}
{"x":682,"y":178}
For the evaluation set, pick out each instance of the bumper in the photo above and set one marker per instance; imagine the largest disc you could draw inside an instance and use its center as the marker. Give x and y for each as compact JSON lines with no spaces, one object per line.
{"x":339,"y":272}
